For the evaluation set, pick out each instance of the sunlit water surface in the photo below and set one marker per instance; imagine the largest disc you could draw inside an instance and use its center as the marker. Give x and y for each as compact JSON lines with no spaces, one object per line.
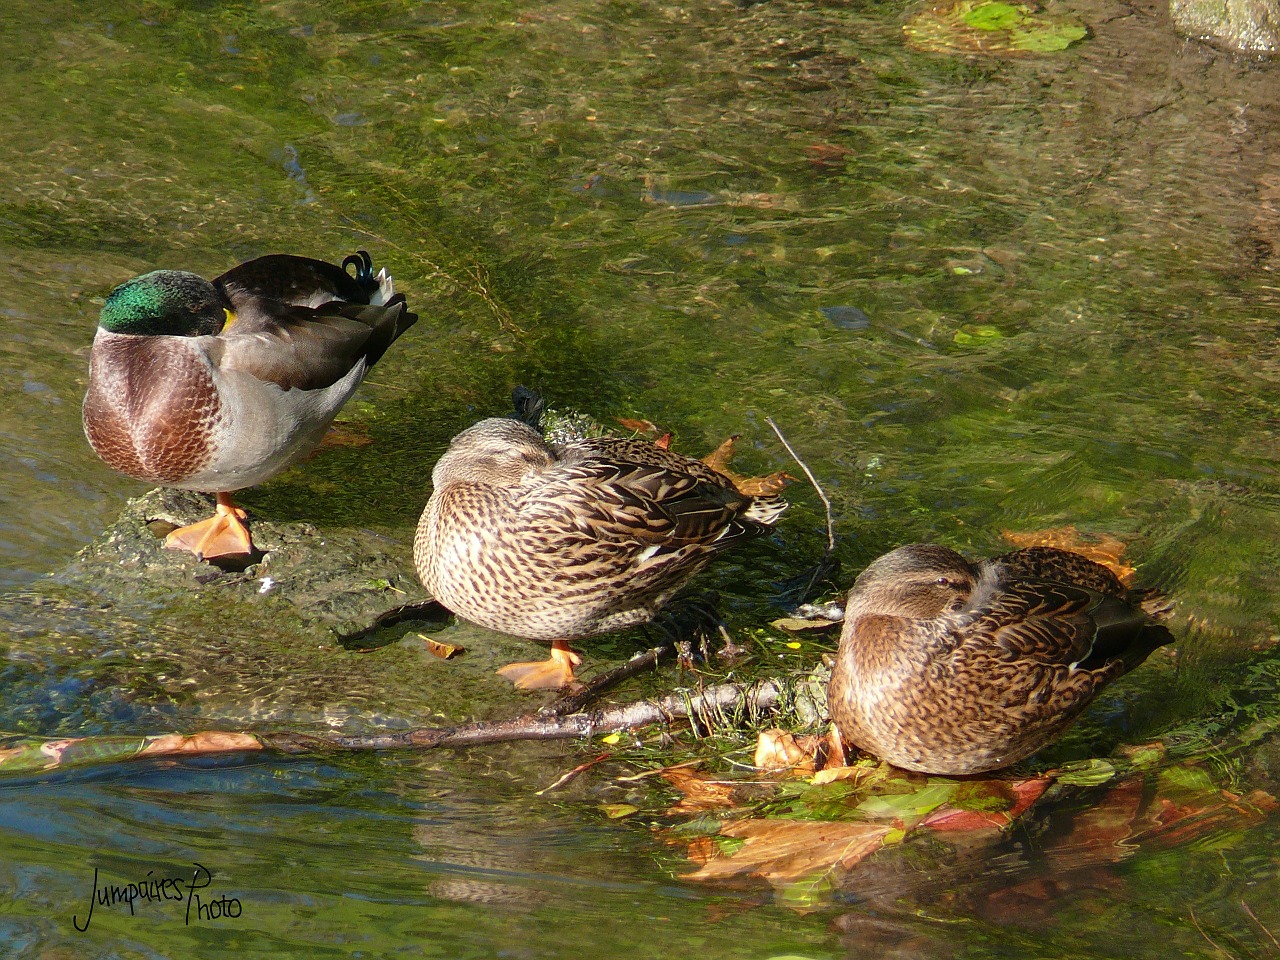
{"x":979,"y":294}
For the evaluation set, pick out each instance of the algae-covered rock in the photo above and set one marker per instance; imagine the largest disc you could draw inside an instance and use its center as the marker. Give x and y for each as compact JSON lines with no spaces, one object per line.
{"x":1246,"y":26}
{"x":992,"y":28}
{"x":131,"y":637}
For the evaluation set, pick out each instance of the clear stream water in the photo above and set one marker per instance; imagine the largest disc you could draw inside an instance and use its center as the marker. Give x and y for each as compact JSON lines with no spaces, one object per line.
{"x":980,"y":294}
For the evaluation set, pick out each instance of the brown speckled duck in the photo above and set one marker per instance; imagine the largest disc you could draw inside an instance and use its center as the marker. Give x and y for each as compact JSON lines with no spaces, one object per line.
{"x":952,"y":667}
{"x":564,"y":541}
{"x":217,"y":385}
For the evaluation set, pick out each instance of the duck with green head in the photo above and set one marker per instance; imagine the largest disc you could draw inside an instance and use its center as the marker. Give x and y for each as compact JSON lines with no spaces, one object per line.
{"x":951,"y":667}
{"x":219,"y":385}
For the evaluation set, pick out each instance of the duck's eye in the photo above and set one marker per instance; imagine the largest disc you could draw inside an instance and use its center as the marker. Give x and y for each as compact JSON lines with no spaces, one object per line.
{"x":942,"y":582}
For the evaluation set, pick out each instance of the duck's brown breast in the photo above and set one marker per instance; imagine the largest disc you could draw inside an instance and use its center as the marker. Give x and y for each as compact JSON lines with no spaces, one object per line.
{"x":151,"y":408}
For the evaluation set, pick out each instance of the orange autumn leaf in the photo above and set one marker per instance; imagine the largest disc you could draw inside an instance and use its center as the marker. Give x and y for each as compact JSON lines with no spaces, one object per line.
{"x":778,"y":750}
{"x":699,"y":793}
{"x":445,"y":651}
{"x":785,"y":851}
{"x":1101,"y":548}
{"x":344,"y":435}
{"x":1019,"y":794}
{"x":764,"y":486}
{"x":646,"y":428}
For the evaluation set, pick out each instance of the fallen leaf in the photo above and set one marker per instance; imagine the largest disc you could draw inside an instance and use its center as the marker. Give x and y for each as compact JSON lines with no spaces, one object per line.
{"x":1085,"y":773}
{"x":832,"y":774}
{"x":905,"y":810}
{"x":778,"y":750}
{"x":643,"y":427}
{"x":1103,"y":548}
{"x":801,"y":625}
{"x":663,"y":442}
{"x":784,"y":852}
{"x":699,"y":793}
{"x":827,"y":156}
{"x":971,"y":808}
{"x":765,"y":486}
{"x":345,"y":434}
{"x":616,"y":811}
{"x":445,"y":651}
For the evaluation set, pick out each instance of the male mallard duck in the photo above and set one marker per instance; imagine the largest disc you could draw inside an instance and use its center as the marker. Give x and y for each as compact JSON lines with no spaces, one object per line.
{"x":216,"y":386}
{"x":952,"y":667}
{"x":564,"y":541}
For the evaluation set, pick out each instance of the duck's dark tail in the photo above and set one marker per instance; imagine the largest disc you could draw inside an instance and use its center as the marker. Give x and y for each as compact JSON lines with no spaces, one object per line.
{"x":528,"y":406}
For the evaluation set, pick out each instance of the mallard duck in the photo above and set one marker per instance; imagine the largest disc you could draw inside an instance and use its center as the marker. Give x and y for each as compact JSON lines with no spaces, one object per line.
{"x":564,"y":541}
{"x":217,"y":385}
{"x":952,"y":667}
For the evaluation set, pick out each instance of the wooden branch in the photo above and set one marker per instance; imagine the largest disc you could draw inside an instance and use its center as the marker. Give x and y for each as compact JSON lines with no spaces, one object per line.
{"x":704,"y":710}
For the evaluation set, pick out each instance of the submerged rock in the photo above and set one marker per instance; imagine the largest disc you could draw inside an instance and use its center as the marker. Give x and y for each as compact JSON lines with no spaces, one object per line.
{"x":131,"y":637}
{"x":1245,"y":26}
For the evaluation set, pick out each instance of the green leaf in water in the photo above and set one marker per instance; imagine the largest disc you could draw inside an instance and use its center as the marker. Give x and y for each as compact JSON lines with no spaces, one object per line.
{"x":991,"y":28}
{"x":907,"y":806}
{"x":1086,"y":773}
{"x":995,"y":16}
{"x":976,"y":334}
{"x":616,"y":811}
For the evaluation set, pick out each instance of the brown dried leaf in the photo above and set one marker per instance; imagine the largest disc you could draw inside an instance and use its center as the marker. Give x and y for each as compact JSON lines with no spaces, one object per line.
{"x":646,"y":428}
{"x":784,"y":851}
{"x":765,"y":486}
{"x":445,"y":651}
{"x":719,"y":458}
{"x":699,"y":793}
{"x":827,"y":156}
{"x":779,"y":750}
{"x":832,"y":774}
{"x":1101,"y":548}
{"x":1019,"y":795}
{"x":799,"y":625}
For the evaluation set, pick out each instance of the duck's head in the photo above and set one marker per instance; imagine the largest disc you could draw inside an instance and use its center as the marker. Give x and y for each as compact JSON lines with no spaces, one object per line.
{"x":165,"y":303}
{"x":500,"y":452}
{"x":918,"y":581}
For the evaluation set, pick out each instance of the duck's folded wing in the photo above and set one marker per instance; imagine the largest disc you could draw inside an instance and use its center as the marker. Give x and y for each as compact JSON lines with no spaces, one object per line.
{"x":651,"y":504}
{"x":301,"y":348}
{"x":285,"y":278}
{"x":1044,"y":622}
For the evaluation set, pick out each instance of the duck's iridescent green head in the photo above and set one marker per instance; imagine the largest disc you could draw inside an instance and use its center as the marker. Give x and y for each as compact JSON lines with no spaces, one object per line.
{"x":165,"y":303}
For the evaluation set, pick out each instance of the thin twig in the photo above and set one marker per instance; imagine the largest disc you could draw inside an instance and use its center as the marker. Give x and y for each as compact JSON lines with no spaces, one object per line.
{"x":831,"y":529}
{"x":573,"y":773}
{"x":1211,"y":941}
{"x":658,"y":772}
{"x":1260,"y":924}
{"x":574,"y":702}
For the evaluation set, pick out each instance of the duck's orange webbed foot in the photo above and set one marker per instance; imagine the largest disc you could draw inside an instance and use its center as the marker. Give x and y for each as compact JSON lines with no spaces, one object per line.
{"x":222,"y":535}
{"x":550,"y":674}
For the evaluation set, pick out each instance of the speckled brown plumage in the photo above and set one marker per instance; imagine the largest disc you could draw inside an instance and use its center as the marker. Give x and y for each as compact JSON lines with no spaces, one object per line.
{"x":952,"y":667}
{"x":564,"y":542}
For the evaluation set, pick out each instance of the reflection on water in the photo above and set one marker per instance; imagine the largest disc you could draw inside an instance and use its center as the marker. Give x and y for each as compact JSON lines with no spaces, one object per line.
{"x":978,"y":294}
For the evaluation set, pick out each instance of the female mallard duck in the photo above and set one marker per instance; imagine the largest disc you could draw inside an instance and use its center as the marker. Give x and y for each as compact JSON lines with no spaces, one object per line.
{"x":564,"y":541}
{"x":951,"y":667}
{"x":216,"y":386}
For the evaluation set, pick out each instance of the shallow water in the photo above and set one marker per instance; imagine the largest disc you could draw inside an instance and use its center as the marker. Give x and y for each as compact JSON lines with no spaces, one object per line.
{"x":979,"y":294}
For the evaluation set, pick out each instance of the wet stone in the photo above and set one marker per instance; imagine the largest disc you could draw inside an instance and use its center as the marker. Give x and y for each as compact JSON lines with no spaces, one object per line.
{"x":154,"y":640}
